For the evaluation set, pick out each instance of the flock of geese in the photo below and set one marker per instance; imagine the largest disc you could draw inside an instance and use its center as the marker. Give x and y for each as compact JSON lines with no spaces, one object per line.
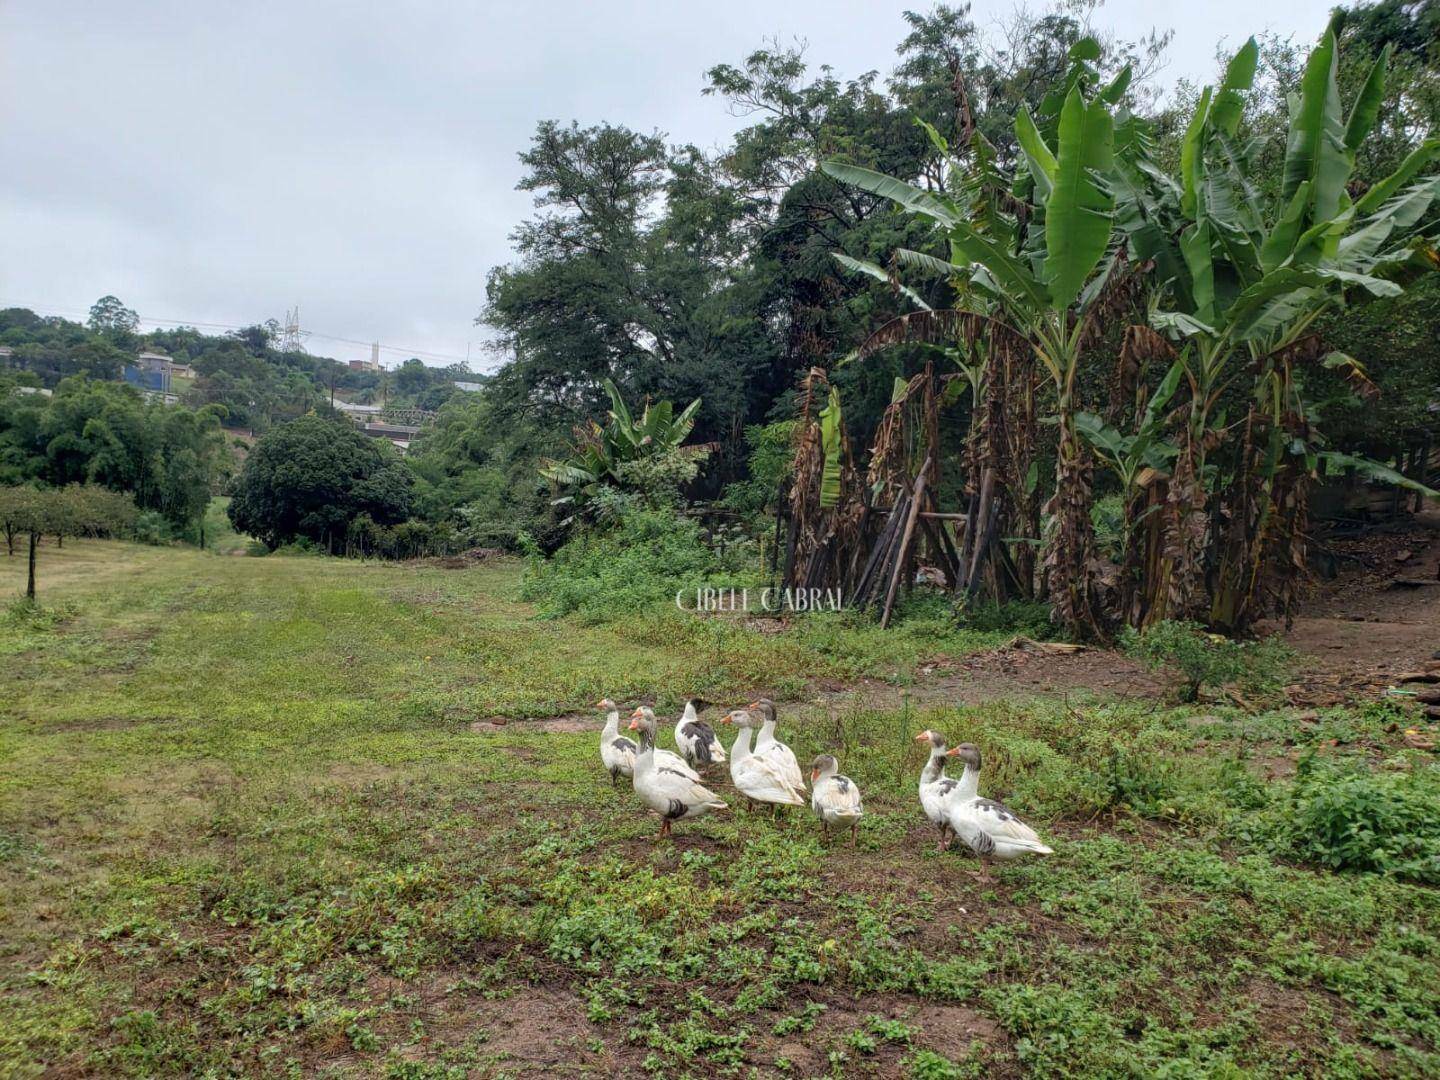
{"x":767,"y":772}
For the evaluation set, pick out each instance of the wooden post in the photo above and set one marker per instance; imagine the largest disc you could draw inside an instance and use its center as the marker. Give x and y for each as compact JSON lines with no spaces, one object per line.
{"x":883,"y":544}
{"x":30,"y":588}
{"x":915,"y":502}
{"x":982,"y":524}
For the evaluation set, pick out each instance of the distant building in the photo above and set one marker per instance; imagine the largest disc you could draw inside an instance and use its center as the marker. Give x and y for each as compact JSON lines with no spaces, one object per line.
{"x":159,"y":363}
{"x":469,"y":387}
{"x":34,"y":390}
{"x":373,"y":364}
{"x":147,"y":375}
{"x":153,"y":383}
{"x":356,"y":411}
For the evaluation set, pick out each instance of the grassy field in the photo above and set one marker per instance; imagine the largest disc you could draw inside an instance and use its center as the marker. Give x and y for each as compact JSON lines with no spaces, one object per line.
{"x":300,"y":816}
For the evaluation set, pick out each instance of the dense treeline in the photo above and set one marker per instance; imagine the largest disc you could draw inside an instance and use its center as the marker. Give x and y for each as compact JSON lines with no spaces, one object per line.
{"x":170,"y":459}
{"x":679,"y":273}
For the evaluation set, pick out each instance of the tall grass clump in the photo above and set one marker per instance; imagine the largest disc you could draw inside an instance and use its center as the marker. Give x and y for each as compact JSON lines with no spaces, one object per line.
{"x":635,"y":562}
{"x":1209,"y":660}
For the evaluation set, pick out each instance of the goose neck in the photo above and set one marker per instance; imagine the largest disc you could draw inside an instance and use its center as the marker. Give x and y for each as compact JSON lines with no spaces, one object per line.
{"x":969,"y":783}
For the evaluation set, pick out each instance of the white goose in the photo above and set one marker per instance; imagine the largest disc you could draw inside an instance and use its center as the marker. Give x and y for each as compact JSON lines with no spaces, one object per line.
{"x":667,"y":758}
{"x":665,"y":790}
{"x":758,"y":777}
{"x":616,"y":751}
{"x":988,"y":828}
{"x":834,"y":798}
{"x":768,"y":745}
{"x":937,"y":790}
{"x":697,"y":740}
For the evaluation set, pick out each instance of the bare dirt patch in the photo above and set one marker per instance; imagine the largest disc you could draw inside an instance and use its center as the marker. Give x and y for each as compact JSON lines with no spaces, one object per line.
{"x":1006,"y":673}
{"x":568,"y":724}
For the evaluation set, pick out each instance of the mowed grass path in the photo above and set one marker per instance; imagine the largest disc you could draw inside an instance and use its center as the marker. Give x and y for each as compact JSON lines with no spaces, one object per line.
{"x":255,"y":819}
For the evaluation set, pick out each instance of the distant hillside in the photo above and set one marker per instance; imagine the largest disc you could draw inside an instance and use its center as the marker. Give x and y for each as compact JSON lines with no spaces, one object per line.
{"x":258,"y":384}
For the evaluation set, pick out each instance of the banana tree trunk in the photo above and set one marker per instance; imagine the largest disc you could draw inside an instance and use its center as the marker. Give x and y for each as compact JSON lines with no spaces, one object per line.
{"x":1070,"y":563}
{"x":1177,"y":589}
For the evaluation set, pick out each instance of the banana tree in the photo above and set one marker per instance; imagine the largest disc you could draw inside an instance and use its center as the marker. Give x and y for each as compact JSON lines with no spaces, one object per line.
{"x":996,"y":365}
{"x":598,"y":450}
{"x":1141,"y":462}
{"x":1037,"y":292}
{"x":1250,"y":280}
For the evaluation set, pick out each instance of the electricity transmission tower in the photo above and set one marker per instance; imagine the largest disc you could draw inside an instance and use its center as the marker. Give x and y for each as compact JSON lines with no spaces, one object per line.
{"x":292,"y":338}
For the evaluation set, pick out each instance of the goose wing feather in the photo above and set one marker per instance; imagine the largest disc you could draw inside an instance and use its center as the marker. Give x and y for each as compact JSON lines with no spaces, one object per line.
{"x":997,"y":821}
{"x":662,"y":786}
{"x":784,"y":759}
{"x":668,"y":759}
{"x":837,"y":797}
{"x":758,"y":777}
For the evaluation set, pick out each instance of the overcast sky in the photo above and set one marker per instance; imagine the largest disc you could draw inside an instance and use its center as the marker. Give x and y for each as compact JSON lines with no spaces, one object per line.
{"x":218,"y":162}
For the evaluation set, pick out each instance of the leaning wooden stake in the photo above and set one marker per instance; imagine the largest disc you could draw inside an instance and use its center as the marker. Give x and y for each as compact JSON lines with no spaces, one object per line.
{"x":915,"y":503}
{"x":982,"y":524}
{"x":877,"y":561}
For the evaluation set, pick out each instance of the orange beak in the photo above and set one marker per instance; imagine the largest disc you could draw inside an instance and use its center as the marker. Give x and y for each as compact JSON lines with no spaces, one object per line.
{"x":753,"y":705}
{"x":924,"y":736}
{"x":952,"y":751}
{"x":633,"y":724}
{"x":814,"y":775}
{"x":726,"y":719}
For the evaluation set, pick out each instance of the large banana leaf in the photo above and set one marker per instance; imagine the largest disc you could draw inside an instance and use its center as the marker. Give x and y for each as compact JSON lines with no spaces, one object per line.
{"x":1114,"y":90}
{"x":1195,"y":249}
{"x":1037,"y":155}
{"x":1336,"y":462}
{"x":620,"y":412}
{"x":1405,"y":210}
{"x":1192,"y":149}
{"x":1239,"y":78}
{"x":1009,"y":273}
{"x":1247,"y":316}
{"x":869,"y":269}
{"x":1416,"y":160}
{"x":912,"y":198}
{"x":684,"y":423}
{"x":928,"y":265}
{"x":1281,"y":241}
{"x":1079,"y":212}
{"x":830,"y":438}
{"x":1315,"y":149}
{"x":1367,"y":104}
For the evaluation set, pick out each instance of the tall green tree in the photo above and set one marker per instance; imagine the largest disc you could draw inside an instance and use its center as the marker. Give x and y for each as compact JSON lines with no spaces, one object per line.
{"x":109,"y":315}
{"x":312,"y":477}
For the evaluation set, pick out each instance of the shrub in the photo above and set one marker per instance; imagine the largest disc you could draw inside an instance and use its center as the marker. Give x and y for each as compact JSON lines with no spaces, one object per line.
{"x":660,"y":479}
{"x":1208,"y":659}
{"x":1028,"y":617}
{"x":150,"y":528}
{"x":772,"y":448}
{"x":636,"y":563}
{"x":1347,"y":817}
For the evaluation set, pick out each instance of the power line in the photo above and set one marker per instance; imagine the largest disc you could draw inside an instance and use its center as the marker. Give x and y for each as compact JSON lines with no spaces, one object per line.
{"x":403,"y":350}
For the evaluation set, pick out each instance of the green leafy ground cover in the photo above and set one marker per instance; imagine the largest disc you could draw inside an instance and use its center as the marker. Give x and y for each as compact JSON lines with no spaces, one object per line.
{"x":255,"y":818}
